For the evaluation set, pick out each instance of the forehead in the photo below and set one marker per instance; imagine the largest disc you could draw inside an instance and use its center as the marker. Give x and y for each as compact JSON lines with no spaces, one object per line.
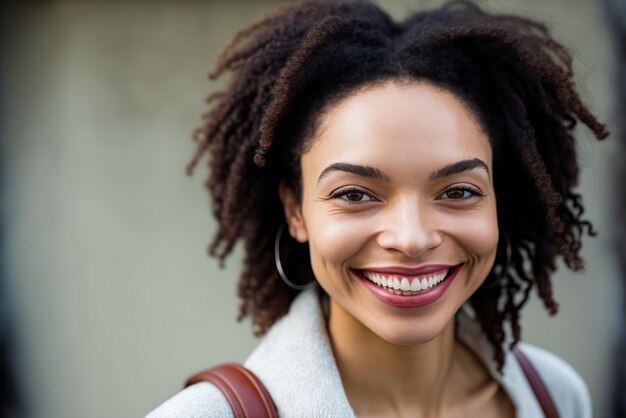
{"x":399,"y":123}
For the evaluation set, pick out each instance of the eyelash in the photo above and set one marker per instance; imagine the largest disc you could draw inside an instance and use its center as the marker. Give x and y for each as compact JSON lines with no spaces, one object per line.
{"x":463,"y":188}
{"x":341,"y":193}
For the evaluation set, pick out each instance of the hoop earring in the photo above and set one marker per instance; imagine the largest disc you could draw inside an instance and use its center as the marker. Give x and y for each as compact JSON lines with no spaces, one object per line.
{"x":494,"y":279}
{"x":279,"y":264}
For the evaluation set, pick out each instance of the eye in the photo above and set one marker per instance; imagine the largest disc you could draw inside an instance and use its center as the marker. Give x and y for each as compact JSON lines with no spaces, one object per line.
{"x":460,"y":193}
{"x":352,"y":195}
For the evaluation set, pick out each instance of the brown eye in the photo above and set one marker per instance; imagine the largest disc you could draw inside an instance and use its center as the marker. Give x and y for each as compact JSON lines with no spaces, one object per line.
{"x":456,"y":194}
{"x":460,"y":193}
{"x":354,"y":196}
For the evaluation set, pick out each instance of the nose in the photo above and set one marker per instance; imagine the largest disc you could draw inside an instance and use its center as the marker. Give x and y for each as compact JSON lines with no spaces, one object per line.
{"x":410,"y":228}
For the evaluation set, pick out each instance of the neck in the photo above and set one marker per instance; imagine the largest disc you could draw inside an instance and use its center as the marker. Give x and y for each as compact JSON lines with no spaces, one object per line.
{"x":382,"y":378}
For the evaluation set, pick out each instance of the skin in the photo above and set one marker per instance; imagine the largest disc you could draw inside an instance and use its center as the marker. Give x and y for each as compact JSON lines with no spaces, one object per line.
{"x":407,"y":131}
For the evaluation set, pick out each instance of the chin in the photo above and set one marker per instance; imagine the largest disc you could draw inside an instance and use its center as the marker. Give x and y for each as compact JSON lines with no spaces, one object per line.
{"x":409,"y":340}
{"x":419,"y":332}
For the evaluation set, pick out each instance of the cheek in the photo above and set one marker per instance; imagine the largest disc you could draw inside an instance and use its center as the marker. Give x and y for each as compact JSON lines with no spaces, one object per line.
{"x":482,"y":238}
{"x":334,"y":239}
{"x":476,"y":233}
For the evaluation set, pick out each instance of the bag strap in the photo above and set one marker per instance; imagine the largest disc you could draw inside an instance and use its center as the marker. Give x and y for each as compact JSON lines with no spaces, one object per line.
{"x":248,"y":397}
{"x":245,"y":393}
{"x":537,"y":385}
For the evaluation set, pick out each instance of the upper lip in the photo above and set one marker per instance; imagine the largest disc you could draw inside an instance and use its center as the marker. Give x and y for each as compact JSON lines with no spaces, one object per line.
{"x":409,"y":271}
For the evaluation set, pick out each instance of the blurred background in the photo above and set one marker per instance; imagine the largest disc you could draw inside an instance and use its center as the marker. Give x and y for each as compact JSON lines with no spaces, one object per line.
{"x":108,"y":300}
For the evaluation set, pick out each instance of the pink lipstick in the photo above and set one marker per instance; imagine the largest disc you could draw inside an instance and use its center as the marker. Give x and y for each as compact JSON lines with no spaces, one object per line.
{"x":406,"y":288}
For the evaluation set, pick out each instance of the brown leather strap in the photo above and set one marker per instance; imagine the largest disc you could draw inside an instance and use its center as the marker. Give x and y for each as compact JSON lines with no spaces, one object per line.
{"x":245,"y":393}
{"x":541,"y":392}
{"x":248,"y":398}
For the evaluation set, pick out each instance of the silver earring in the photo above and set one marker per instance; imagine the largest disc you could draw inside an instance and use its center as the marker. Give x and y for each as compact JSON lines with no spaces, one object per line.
{"x":279,"y":264}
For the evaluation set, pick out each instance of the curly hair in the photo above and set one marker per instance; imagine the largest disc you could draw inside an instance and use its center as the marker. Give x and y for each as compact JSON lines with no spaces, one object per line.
{"x":292,"y":65}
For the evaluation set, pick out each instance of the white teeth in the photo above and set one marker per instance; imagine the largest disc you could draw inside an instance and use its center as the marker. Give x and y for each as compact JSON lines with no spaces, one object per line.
{"x":406,"y":285}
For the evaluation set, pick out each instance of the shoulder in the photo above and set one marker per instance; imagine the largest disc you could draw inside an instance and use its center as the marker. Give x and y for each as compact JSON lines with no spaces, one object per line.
{"x":568,"y":389}
{"x":202,"y":400}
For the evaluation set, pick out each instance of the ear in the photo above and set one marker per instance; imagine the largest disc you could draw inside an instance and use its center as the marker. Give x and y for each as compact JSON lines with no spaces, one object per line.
{"x":293,"y":213}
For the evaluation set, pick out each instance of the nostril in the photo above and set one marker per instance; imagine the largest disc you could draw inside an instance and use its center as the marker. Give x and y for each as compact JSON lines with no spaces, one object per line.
{"x":409,"y":241}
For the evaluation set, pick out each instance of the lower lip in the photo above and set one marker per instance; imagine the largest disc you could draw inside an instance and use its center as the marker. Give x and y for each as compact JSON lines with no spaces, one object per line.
{"x":407,"y":302}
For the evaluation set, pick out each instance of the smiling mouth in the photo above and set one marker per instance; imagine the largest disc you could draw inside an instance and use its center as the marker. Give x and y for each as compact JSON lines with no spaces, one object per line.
{"x":408,"y":285}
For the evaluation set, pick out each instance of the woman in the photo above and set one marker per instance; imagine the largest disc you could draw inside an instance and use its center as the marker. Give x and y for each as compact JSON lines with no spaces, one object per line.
{"x":400,"y":189}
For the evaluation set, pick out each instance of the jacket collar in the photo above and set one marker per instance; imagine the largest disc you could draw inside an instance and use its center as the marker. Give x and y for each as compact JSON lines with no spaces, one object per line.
{"x":296,"y":364}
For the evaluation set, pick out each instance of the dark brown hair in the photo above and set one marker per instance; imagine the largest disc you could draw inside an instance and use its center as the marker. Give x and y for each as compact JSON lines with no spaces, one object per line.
{"x":292,"y":65}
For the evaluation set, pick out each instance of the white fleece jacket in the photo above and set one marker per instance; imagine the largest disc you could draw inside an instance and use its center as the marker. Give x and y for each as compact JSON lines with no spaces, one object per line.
{"x":296,"y":364}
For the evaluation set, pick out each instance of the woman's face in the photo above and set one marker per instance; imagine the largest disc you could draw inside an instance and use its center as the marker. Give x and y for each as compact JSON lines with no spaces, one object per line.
{"x":397,"y":196}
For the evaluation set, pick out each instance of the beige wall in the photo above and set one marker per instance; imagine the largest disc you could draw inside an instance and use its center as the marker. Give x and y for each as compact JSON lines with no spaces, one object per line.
{"x":115,"y":299}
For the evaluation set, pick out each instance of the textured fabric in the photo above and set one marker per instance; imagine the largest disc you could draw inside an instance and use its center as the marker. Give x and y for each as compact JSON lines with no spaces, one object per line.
{"x":296,"y":364}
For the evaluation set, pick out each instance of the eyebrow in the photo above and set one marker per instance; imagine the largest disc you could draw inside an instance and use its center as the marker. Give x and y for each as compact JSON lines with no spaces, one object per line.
{"x":359,"y":170}
{"x":459,"y":167}
{"x":374,"y":173}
